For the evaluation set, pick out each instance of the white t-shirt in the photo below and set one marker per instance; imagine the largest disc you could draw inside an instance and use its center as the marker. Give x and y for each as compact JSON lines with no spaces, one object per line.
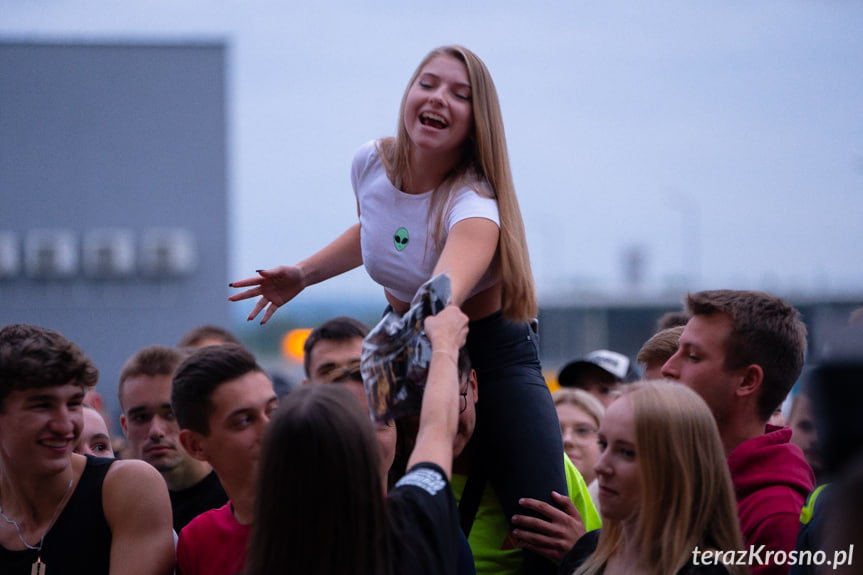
{"x":394,"y":227}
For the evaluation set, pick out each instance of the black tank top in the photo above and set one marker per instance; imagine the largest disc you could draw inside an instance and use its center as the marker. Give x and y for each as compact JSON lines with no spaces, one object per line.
{"x":79,"y":543}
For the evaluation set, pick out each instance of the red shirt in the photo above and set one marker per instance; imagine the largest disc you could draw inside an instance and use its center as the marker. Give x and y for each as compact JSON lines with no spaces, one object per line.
{"x":213,"y":543}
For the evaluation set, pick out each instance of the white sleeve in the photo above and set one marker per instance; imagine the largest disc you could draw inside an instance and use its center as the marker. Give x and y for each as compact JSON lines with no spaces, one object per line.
{"x":469,"y":204}
{"x":360,"y":164}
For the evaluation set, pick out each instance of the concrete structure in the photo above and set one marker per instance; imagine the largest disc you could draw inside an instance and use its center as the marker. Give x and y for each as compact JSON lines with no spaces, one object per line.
{"x":113,"y":199}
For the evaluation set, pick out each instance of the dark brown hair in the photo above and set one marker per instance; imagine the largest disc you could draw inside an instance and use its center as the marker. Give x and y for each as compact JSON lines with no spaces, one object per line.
{"x":672,"y":319}
{"x":199,"y":376}
{"x":765,"y":331}
{"x":337,"y":329}
{"x":37,"y":357}
{"x":319,"y":505}
{"x":195,"y":336}
{"x":151,"y":361}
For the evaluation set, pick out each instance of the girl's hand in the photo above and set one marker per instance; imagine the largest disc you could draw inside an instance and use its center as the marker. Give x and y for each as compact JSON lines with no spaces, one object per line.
{"x":276,"y":287}
{"x":552,"y":537}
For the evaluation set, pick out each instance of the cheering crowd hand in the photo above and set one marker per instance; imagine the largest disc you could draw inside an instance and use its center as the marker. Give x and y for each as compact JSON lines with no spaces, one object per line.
{"x":447,"y":331}
{"x":554,"y":536}
{"x":276,"y":287}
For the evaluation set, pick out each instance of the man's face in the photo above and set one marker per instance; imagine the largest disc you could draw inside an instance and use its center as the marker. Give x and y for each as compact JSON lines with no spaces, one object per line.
{"x":335,"y":360}
{"x":387,"y":436}
{"x":804,"y":432}
{"x":241,"y":411}
{"x":385,"y":432}
{"x":40,"y":427}
{"x":603,"y":391}
{"x":149,"y":423}
{"x":338,"y":362}
{"x":699,"y":363}
{"x":598,"y":383}
{"x":467,"y":417}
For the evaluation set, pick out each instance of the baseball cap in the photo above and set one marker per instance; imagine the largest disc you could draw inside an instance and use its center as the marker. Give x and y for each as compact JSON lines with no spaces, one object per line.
{"x":612,"y":362}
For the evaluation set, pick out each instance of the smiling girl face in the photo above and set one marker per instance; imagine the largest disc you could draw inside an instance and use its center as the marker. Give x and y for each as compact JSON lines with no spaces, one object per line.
{"x":438,"y":112}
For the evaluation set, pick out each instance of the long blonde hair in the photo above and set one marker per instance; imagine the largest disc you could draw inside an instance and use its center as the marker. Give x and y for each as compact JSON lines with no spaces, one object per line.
{"x":687,"y":498}
{"x":486,"y":160}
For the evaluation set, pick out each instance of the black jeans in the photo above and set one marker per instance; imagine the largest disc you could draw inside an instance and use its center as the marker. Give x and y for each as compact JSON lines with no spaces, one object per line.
{"x":517,"y":441}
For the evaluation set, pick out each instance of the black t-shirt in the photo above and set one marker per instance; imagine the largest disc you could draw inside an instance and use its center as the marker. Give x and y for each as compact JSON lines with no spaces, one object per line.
{"x":188,"y":503}
{"x":425,"y":522}
{"x":586,"y":545}
{"x":79,"y":543}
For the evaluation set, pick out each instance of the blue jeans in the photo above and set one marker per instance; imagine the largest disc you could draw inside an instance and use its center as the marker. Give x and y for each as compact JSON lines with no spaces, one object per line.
{"x":517,"y":441}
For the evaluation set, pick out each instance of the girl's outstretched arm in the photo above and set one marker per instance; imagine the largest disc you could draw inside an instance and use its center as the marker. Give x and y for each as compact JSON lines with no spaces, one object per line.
{"x":278,"y":286}
{"x":469,"y":250}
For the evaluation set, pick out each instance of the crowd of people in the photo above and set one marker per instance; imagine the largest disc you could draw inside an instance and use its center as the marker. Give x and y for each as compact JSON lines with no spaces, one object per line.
{"x":666,"y":464}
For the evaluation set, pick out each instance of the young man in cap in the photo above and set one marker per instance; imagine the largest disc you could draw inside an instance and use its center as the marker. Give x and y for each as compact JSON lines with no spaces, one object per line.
{"x":598,"y":373}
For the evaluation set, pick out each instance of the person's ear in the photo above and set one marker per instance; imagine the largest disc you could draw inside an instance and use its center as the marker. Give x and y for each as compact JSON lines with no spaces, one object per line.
{"x":194,"y":443}
{"x":753,"y":377}
{"x":473,"y":385}
{"x":123,"y":425}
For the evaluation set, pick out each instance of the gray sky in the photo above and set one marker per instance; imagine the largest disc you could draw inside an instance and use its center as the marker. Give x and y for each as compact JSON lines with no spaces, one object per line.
{"x":723,"y":140}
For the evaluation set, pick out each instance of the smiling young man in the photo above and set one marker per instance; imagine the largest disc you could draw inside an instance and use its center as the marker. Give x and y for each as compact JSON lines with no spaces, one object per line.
{"x":154,"y":435}
{"x":742,"y":351}
{"x":73,"y":513}
{"x":223,"y":401}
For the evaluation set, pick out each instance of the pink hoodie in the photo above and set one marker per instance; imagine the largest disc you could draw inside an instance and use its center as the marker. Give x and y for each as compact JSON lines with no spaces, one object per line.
{"x":771,"y":482}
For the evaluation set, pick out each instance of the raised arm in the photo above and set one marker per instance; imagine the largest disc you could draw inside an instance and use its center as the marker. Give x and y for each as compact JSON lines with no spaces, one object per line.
{"x":278,"y":286}
{"x":138,"y":510}
{"x":469,"y":250}
{"x":447,"y":332}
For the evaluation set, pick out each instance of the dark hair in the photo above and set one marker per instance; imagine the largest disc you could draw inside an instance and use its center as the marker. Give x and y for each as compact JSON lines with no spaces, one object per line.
{"x":337,"y":329}
{"x":319,"y":447}
{"x":464,"y":364}
{"x":37,"y":357}
{"x":151,"y":361}
{"x":836,"y":392}
{"x":672,"y":319}
{"x":765,"y":331}
{"x":195,"y":336}
{"x":198,"y":377}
